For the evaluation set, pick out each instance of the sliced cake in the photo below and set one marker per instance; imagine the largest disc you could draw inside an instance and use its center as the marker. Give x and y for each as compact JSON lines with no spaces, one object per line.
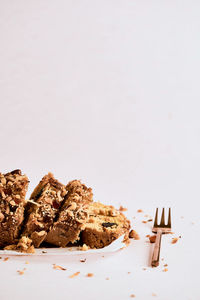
{"x":46,"y":199}
{"x":73,"y":215}
{"x":105,"y":224}
{"x":13,"y":188}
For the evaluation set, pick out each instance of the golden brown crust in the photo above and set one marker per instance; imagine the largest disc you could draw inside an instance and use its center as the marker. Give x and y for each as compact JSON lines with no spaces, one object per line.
{"x":13,"y":188}
{"x":105,"y":225}
{"x":73,"y":215}
{"x":48,"y":196}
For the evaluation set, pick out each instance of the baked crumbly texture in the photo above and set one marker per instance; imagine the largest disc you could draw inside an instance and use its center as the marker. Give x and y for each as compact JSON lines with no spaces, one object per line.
{"x":73,"y":215}
{"x":47,"y":197}
{"x":105,"y":224}
{"x":24,"y":245}
{"x":13,"y":188}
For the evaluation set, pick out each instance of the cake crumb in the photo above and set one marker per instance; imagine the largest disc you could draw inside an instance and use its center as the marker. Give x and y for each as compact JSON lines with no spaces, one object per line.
{"x":134,"y":235}
{"x":148,"y":235}
{"x":107,"y":278}
{"x":165,"y":265}
{"x":89,"y":275}
{"x":56,"y":267}
{"x":26,"y":262}
{"x":174,"y":240}
{"x":144,"y":269}
{"x":149,"y":220}
{"x":21,"y":272}
{"x":6,"y":258}
{"x":144,"y":222}
{"x":129,"y":272}
{"x":152,"y":238}
{"x":84,"y":247}
{"x":74,"y":275}
{"x":132,"y":296}
{"x":122,"y":208}
{"x":154,"y":294}
{"x":139,"y":210}
{"x":165,"y":270}
{"x":83,"y":260}
{"x":44,"y":251}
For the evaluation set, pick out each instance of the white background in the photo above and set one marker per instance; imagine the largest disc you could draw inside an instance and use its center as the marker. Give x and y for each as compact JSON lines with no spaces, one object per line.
{"x":107,"y":92}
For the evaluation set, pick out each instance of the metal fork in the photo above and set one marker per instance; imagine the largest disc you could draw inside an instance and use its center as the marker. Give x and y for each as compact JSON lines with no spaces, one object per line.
{"x":160,"y":229}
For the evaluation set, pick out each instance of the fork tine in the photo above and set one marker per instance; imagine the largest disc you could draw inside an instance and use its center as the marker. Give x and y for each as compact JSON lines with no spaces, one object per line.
{"x":156,"y":218}
{"x":169,"y":218}
{"x":162,"y":222}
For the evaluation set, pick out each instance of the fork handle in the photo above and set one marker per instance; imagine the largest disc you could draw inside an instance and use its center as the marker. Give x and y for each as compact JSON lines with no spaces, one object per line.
{"x":156,"y":251}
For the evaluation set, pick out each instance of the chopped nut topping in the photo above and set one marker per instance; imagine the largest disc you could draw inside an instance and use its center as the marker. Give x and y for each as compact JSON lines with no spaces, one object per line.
{"x":74,"y":275}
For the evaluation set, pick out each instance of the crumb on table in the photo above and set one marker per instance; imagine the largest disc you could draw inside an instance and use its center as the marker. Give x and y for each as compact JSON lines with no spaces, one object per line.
{"x":152,"y":238}
{"x":165,"y":270}
{"x":6,"y":258}
{"x":134,"y":235}
{"x":121,"y":208}
{"x":89,"y":275}
{"x":139,"y":210}
{"x":174,"y":240}
{"x":21,"y":272}
{"x":56,"y":267}
{"x":74,"y":275}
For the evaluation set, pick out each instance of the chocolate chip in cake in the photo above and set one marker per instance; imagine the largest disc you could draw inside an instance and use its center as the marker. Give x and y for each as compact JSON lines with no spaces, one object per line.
{"x":109,"y":224}
{"x":56,"y":204}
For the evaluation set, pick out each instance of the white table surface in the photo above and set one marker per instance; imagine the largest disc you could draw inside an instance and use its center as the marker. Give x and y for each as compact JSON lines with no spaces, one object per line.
{"x":107,"y":92}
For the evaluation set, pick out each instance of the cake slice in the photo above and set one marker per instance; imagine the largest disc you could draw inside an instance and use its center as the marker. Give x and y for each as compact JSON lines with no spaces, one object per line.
{"x":47,"y":198}
{"x":13,"y":188}
{"x":73,"y":215}
{"x":105,"y":224}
